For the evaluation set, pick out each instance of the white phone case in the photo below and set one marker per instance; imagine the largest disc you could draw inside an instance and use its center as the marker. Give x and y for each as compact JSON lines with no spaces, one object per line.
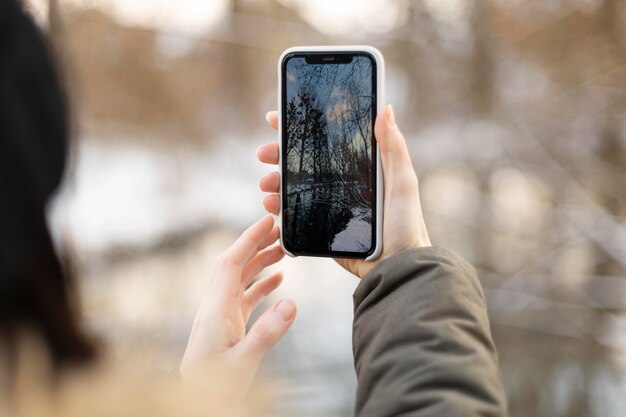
{"x":380,"y":100}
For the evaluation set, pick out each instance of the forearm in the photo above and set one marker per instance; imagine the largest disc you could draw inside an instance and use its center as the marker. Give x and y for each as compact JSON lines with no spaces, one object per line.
{"x":421,"y":338}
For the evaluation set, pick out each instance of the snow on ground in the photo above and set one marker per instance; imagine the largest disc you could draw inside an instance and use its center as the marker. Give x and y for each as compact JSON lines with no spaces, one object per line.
{"x":126,"y":193}
{"x":357,"y":235}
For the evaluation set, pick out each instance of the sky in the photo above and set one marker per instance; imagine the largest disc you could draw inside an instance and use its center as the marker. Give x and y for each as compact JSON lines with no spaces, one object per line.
{"x":330,"y":92}
{"x":323,"y":89}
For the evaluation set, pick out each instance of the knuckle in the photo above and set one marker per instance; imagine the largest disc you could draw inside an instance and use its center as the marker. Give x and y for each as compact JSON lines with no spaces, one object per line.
{"x":263,"y":333}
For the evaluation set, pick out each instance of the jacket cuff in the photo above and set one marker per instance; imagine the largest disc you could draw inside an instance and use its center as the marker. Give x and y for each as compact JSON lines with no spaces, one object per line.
{"x":408,"y":261}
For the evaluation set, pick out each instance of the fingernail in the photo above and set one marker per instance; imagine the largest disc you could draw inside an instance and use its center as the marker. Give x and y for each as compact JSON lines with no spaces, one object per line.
{"x":391,"y":117}
{"x":286,"y":309}
{"x":267,"y":116}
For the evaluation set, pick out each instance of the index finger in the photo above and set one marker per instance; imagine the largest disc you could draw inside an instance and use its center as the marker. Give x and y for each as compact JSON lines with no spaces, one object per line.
{"x":272,"y":119}
{"x":248,"y":244}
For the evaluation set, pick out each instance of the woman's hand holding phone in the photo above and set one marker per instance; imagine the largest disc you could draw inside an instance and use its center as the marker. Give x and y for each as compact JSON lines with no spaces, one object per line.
{"x":218,"y":337}
{"x":403,"y":222}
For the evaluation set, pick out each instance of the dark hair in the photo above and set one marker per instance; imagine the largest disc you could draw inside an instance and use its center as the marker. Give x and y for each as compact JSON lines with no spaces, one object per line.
{"x":34,"y":289}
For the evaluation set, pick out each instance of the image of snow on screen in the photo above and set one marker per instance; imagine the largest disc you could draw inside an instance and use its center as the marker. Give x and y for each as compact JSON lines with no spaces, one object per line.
{"x":330,"y":182}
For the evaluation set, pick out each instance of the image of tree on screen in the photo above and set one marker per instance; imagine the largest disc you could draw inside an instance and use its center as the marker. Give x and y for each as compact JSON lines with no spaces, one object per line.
{"x":330,"y":181}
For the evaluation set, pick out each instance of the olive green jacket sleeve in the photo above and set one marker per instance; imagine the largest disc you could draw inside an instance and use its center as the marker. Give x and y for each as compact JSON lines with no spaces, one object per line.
{"x":421,"y":340}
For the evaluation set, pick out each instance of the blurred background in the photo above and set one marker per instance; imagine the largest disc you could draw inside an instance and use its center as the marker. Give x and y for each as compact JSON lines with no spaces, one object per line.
{"x":514,"y":111}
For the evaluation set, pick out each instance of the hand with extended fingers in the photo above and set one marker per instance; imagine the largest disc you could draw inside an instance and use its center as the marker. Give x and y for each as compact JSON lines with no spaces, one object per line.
{"x":218,"y":336}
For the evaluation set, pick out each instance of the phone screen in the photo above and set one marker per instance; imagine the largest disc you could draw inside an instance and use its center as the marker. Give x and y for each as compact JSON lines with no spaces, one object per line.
{"x":329,"y":154}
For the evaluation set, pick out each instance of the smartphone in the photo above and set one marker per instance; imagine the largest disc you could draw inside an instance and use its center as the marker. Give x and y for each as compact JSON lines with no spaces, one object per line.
{"x":330,"y":168}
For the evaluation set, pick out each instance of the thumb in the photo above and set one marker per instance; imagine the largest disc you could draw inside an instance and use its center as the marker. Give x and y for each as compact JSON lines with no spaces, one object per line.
{"x":393,"y":150}
{"x":268,"y":330}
